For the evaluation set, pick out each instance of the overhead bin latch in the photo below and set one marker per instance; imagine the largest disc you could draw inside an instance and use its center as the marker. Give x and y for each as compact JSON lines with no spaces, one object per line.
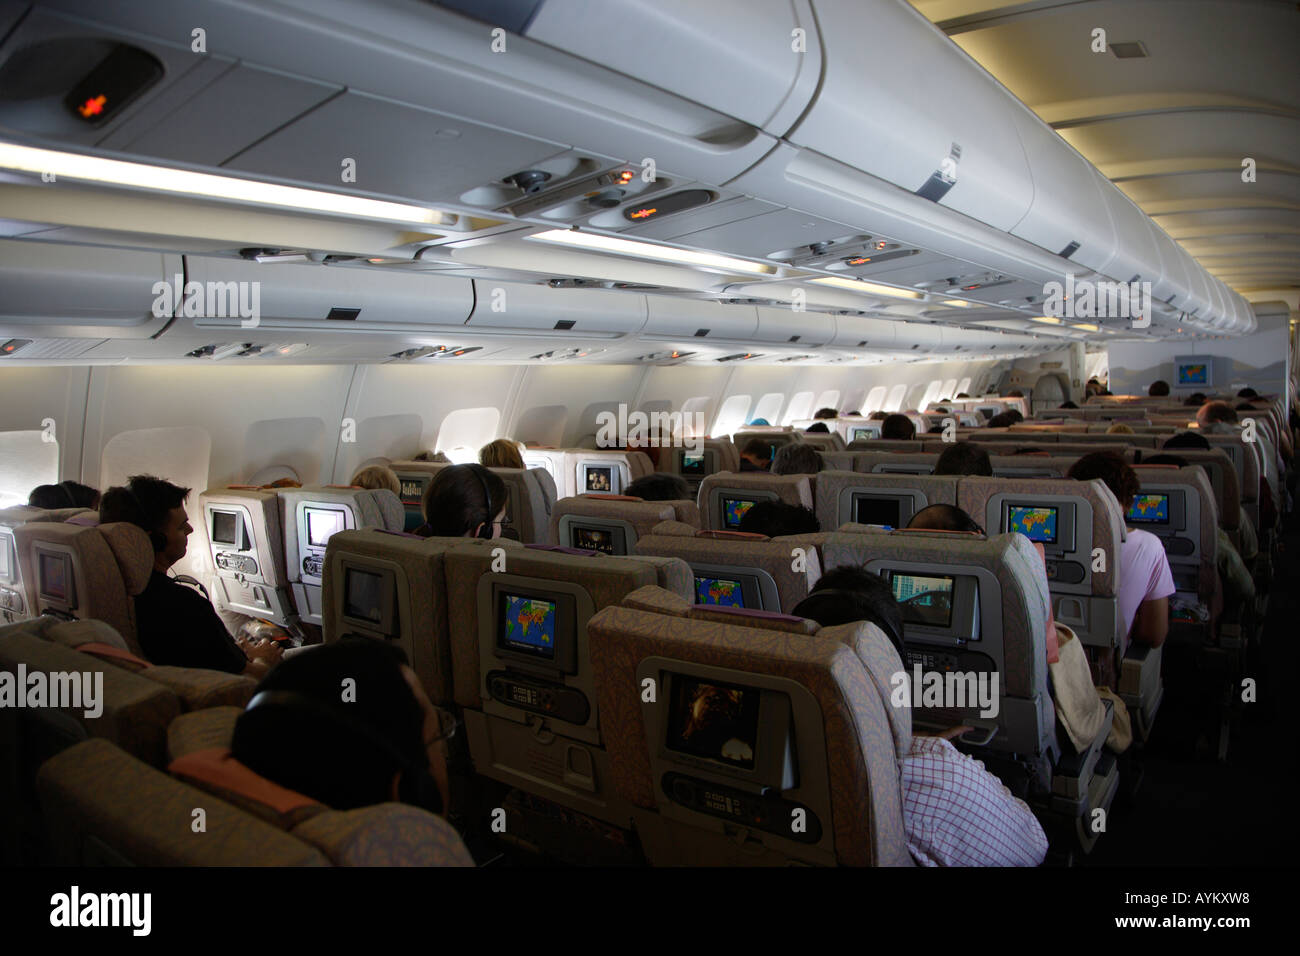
{"x":943,"y":178}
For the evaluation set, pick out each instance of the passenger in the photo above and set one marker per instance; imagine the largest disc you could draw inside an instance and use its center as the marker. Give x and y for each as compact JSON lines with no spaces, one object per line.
{"x":760,"y":421}
{"x":955,"y":812}
{"x":1145,"y":581}
{"x":1159,"y":389}
{"x":1248,"y":392}
{"x":175,"y":625}
{"x":502,"y":453}
{"x":877,"y":416}
{"x":1217,"y":418}
{"x":376,"y":477}
{"x":1245,"y":527}
{"x":826,"y":413}
{"x":756,"y":455}
{"x":797,"y":458}
{"x":385,"y":744}
{"x":660,"y":487}
{"x":943,"y":518}
{"x":1196,"y":399}
{"x":434,"y":456}
{"x":777,"y":519}
{"x":1002,"y":420}
{"x":1015,"y":393}
{"x":66,"y":494}
{"x":1067,"y":405}
{"x":464,"y":501}
{"x":964,"y":458}
{"x":282,"y":483}
{"x":962,"y":395}
{"x":897,"y":427}
{"x":852,"y":414}
{"x":1120,"y":428}
{"x":817,"y":428}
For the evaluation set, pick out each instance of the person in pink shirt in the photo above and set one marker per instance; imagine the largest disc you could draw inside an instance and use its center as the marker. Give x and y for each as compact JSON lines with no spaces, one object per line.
{"x":1145,"y":581}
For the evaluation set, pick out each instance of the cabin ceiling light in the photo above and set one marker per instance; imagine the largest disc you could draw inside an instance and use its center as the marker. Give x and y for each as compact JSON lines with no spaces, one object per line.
{"x":116,"y":172}
{"x":1086,"y":327}
{"x":647,"y":250}
{"x":958,"y":303}
{"x":1045,"y":319}
{"x":857,"y":285}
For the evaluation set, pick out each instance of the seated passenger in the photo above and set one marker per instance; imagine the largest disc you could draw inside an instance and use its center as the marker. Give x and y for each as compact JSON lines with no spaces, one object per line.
{"x":755,"y":455}
{"x":1248,"y":393}
{"x":66,"y":494}
{"x":964,"y":458}
{"x":376,"y":477}
{"x":1145,"y":581}
{"x":1245,"y":527}
{"x":434,"y":456}
{"x":852,"y":414}
{"x":464,"y":501}
{"x":796,"y":458}
{"x":1159,"y":388}
{"x":502,"y":453}
{"x":760,"y":421}
{"x":1217,"y":418}
{"x":777,"y":519}
{"x":384,"y":744}
{"x":1120,"y":428}
{"x":1067,"y":405}
{"x":660,"y":487}
{"x":877,"y":416}
{"x":898,"y":427}
{"x":1196,"y":398}
{"x":282,"y":483}
{"x":818,"y":428}
{"x":955,"y":812}
{"x":175,"y":624}
{"x":943,"y":518}
{"x":1015,"y":393}
{"x":1002,"y":420}
{"x":826,"y":413}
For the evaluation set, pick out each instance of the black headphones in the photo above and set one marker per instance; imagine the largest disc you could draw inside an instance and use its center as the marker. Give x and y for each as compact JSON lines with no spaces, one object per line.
{"x":485,"y":531}
{"x":887,"y":626}
{"x":416,"y":786}
{"x":156,"y":538}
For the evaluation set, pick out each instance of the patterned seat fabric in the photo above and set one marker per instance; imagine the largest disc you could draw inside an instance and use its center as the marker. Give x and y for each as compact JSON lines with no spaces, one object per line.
{"x":860,"y":745}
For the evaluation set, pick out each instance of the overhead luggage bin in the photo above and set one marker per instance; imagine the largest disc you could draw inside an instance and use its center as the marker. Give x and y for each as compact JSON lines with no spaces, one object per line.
{"x":539,"y":308}
{"x":62,"y":291}
{"x":945,"y":131}
{"x":777,"y":326}
{"x":1171,"y":285}
{"x":699,"y":322}
{"x":1135,"y":258}
{"x":864,"y":332}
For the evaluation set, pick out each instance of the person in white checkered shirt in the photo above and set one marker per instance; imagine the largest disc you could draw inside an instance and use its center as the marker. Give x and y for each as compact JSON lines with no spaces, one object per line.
{"x":955,"y":812}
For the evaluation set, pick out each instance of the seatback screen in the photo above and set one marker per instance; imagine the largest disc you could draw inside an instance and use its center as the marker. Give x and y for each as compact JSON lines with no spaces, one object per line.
{"x":5,"y":561}
{"x":1194,"y":373}
{"x":883,"y":511}
{"x":923,"y":599}
{"x":600,"y":479}
{"x":714,"y":720}
{"x":1034,"y":522}
{"x":721,"y":591}
{"x":53,"y":577}
{"x":1149,"y":508}
{"x":321,"y":524}
{"x":361,"y":595}
{"x":225,"y":527}
{"x":591,"y":539}
{"x":412,"y":493}
{"x":527,"y":624}
{"x":693,"y":465}
{"x":733,"y":510}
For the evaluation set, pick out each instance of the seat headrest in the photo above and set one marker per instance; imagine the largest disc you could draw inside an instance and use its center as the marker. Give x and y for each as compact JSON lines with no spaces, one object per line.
{"x":217,"y":772}
{"x":133,"y":551}
{"x":391,"y":508}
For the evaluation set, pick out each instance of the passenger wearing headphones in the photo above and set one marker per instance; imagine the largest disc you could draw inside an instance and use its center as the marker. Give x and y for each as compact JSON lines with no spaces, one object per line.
{"x":955,"y":812}
{"x":382,"y":741}
{"x":464,"y":501}
{"x":174,"y":623}
{"x":66,"y":494}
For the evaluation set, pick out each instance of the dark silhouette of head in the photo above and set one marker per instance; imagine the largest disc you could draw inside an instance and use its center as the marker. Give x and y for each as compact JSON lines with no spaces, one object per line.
{"x":847,"y":594}
{"x":1158,"y":389}
{"x":1187,"y":440}
{"x":463,"y":500}
{"x":796,"y":458}
{"x":897,"y":427}
{"x":964,"y":458}
{"x":943,"y":518}
{"x":819,"y":427}
{"x":66,"y":494}
{"x":660,"y":487}
{"x":1114,"y":472}
{"x":777,"y":519}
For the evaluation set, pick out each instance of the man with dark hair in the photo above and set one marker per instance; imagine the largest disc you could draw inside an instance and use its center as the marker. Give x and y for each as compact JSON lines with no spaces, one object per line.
{"x":826,"y":413}
{"x":964,"y":458}
{"x":382,"y":742}
{"x":1187,"y":440}
{"x":660,"y":487}
{"x":1196,"y":399}
{"x":1002,"y":420}
{"x":175,"y":624}
{"x":877,"y":416}
{"x":1248,"y":392}
{"x":776,"y":519}
{"x":756,"y":455}
{"x":817,"y":428}
{"x":1159,"y":388}
{"x":1015,"y":393}
{"x":1068,"y":405}
{"x":1217,"y":418}
{"x":66,"y":494}
{"x":796,"y":458}
{"x":943,"y":518}
{"x":955,"y":812}
{"x":898,"y":427}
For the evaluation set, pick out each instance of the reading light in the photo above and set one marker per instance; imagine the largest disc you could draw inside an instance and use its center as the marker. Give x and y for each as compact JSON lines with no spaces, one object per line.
{"x":857,"y":285}
{"x":1045,"y":319}
{"x":116,"y":172}
{"x":646,"y":250}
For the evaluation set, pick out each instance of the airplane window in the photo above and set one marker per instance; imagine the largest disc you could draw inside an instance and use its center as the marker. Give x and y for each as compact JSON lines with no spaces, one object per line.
{"x":895,"y":400}
{"x":875,"y":400}
{"x":931,"y":394}
{"x":732,"y":415}
{"x":470,"y":428}
{"x":949,"y":390}
{"x":801,"y":406}
{"x":769,"y":406}
{"x":828,"y":399}
{"x":963,"y":386}
{"x":25,"y":462}
{"x":693,"y":406}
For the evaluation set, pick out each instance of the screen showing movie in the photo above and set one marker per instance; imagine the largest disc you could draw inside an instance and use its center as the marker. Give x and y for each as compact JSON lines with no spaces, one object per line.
{"x":720,"y":591}
{"x":857,"y":434}
{"x":528,"y":625}
{"x":1035,"y":523}
{"x":733,"y":510}
{"x":361,"y":595}
{"x":600,"y":479}
{"x":412,"y":493}
{"x":592,"y":539}
{"x":53,"y":571}
{"x":1194,"y":373}
{"x":225,"y":527}
{"x":713,"y":720}
{"x":886,"y":512}
{"x":923,"y":599}
{"x":693,"y":466}
{"x":321,"y":524}
{"x":1149,"y":509}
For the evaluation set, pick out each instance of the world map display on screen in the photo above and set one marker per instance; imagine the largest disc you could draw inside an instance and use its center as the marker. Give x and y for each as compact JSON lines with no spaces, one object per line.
{"x":1149,"y":508}
{"x":1036,"y":524}
{"x":530,"y":622}
{"x":718,"y":591}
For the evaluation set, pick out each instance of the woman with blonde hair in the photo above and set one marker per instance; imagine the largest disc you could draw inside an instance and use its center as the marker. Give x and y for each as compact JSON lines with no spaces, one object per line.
{"x":375,"y":477}
{"x":1119,"y":428}
{"x":502,"y":453}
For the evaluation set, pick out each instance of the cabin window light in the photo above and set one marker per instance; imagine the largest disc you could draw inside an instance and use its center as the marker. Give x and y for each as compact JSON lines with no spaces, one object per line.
{"x":858,"y":285}
{"x":1086,"y":327}
{"x":957,"y":303}
{"x":1045,"y":319}
{"x":647,"y":250}
{"x":116,"y":172}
